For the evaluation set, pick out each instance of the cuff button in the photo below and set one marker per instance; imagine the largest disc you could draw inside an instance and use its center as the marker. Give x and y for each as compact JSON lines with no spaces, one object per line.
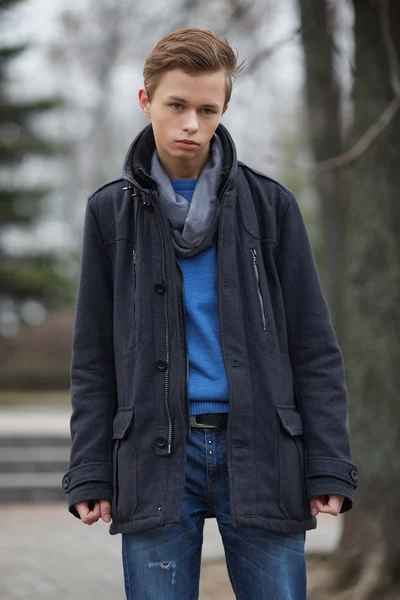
{"x":66,"y":482}
{"x":354,"y":475}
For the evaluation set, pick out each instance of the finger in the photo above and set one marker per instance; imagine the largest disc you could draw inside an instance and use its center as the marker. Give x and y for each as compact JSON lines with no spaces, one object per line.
{"x":105,"y":510}
{"x":330,"y":508}
{"x":334,"y":504}
{"x":93,"y":514}
{"x":96,"y":509}
{"x":321,"y":503}
{"x":83,"y":509}
{"x":338,"y":499}
{"x":313,"y":506}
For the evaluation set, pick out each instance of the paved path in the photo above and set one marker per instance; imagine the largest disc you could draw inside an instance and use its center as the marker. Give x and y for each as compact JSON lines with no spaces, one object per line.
{"x":46,"y":553}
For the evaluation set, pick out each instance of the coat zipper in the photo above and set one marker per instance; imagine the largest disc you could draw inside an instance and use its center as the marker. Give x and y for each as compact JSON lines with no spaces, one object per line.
{"x":227,"y":369}
{"x":260,"y":297}
{"x":167,"y":341}
{"x":134,"y":254}
{"x":186,"y":351}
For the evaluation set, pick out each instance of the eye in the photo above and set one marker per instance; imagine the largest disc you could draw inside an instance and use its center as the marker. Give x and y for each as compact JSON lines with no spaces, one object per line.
{"x":209,"y":113}
{"x":176,"y":104}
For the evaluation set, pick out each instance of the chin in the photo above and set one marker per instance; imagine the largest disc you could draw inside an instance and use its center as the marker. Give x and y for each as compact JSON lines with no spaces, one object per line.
{"x":178,"y":153}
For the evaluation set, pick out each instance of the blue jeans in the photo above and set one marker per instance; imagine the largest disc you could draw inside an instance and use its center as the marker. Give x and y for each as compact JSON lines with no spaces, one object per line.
{"x":164,"y":563}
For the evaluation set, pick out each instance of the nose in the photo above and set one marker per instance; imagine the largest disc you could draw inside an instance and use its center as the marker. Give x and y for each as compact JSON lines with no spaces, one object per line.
{"x":190,"y":124}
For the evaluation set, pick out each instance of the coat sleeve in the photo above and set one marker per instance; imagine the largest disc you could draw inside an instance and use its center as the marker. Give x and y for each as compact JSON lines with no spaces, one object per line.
{"x":92,"y":373}
{"x":317,"y":364}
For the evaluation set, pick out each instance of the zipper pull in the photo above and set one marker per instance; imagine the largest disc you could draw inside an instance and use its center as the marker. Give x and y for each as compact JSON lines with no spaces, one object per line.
{"x":134,"y":256}
{"x":148,"y":204}
{"x":254,"y":255}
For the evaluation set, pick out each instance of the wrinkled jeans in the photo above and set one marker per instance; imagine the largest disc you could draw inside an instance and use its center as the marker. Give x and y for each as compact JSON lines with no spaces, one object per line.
{"x":164,"y":563}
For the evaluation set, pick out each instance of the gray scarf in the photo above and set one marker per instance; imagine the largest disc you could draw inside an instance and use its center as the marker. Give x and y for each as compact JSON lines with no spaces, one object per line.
{"x":193,"y":224}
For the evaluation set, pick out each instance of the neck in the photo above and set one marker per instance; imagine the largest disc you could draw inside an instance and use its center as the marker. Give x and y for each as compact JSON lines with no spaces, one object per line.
{"x":177,"y":169}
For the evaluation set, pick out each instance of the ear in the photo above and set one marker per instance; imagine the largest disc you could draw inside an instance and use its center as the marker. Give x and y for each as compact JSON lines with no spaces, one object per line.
{"x":225,"y":109}
{"x":144,"y":101}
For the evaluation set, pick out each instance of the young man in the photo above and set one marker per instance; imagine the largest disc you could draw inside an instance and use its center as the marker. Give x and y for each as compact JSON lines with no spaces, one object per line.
{"x":206,"y":378}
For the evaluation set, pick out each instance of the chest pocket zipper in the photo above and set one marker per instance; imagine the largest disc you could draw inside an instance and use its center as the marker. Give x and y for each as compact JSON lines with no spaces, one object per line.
{"x":259,"y":292}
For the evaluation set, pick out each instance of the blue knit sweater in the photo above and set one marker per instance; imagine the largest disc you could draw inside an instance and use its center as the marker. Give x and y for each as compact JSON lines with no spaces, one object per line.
{"x":208,"y":384}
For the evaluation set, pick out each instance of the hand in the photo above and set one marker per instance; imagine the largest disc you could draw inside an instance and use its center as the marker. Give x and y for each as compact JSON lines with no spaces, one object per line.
{"x":330,"y":504}
{"x":90,"y":511}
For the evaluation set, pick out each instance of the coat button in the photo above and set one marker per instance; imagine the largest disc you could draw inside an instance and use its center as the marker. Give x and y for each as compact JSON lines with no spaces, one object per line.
{"x":161,"y":442}
{"x":160,"y":288}
{"x":161,"y":365}
{"x":354,"y":475}
{"x":66,"y":482}
{"x":148,"y":207}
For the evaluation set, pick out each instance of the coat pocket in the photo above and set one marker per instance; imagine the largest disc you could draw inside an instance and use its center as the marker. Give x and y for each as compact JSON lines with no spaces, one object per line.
{"x":291,"y":452}
{"x":125,"y":497}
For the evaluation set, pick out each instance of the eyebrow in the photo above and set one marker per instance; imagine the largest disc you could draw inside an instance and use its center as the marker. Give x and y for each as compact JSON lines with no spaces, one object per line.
{"x":183,"y":101}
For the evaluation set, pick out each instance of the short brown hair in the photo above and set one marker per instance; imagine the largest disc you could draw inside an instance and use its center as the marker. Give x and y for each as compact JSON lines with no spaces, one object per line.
{"x":192,"y":50}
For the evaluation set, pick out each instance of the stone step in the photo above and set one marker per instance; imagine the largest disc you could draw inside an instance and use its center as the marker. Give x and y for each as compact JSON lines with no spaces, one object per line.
{"x":34,"y":453}
{"x":33,"y":441}
{"x":34,"y":460}
{"x":21,"y":487}
{"x":11,"y":454}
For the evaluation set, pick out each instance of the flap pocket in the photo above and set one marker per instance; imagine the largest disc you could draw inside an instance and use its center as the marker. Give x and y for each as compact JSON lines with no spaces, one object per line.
{"x":122,"y":422}
{"x":290,"y":419}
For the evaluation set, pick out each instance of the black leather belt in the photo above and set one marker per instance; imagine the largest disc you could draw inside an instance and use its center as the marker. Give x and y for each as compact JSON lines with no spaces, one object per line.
{"x":211,"y":420}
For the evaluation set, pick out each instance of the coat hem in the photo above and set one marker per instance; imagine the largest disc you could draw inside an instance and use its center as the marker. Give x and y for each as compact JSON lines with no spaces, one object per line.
{"x":267,"y":523}
{"x":135,"y":526}
{"x":278,"y":525}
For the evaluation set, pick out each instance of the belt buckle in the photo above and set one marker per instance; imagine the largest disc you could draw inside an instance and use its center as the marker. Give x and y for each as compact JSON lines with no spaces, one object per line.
{"x":196,"y":424}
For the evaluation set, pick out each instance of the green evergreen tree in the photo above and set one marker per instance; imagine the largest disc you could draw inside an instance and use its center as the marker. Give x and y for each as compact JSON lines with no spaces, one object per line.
{"x":34,"y":275}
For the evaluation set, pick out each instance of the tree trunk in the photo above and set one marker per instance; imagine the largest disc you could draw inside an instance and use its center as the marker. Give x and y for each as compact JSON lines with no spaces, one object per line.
{"x":324,"y":117}
{"x":368,"y":560}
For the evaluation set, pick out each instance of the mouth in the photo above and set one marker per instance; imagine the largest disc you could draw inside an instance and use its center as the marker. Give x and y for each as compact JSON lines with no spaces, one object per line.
{"x":187,"y":142}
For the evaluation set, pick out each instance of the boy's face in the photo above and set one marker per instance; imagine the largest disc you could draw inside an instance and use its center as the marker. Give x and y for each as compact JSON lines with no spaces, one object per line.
{"x":185,"y":107}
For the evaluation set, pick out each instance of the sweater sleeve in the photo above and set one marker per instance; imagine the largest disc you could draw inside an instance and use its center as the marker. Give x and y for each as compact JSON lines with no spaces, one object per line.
{"x":92,"y":373}
{"x":317,"y":364}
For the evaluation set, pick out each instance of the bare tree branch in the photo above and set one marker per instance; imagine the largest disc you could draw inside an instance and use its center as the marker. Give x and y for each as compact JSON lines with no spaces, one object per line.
{"x":380,"y":124}
{"x":354,"y":152}
{"x":258,"y":58}
{"x":265,"y":53}
{"x":363,"y":143}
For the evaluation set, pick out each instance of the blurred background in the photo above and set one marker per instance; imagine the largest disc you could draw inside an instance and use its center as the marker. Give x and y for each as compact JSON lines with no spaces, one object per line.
{"x":317,"y":108}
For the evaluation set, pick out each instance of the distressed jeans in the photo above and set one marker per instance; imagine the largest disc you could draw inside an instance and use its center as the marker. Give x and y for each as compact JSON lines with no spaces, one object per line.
{"x":164,"y":563}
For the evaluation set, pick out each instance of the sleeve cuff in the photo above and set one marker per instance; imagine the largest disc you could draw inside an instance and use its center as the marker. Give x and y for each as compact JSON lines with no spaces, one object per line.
{"x":89,"y":481}
{"x":332,"y":476}
{"x":323,"y":486}
{"x":86,"y":473}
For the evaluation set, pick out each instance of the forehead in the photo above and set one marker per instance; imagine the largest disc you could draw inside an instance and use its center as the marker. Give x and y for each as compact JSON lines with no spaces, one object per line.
{"x":199,"y":88}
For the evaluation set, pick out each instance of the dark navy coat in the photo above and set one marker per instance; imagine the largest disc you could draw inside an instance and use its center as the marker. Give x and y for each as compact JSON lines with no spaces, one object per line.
{"x":287,"y":435}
